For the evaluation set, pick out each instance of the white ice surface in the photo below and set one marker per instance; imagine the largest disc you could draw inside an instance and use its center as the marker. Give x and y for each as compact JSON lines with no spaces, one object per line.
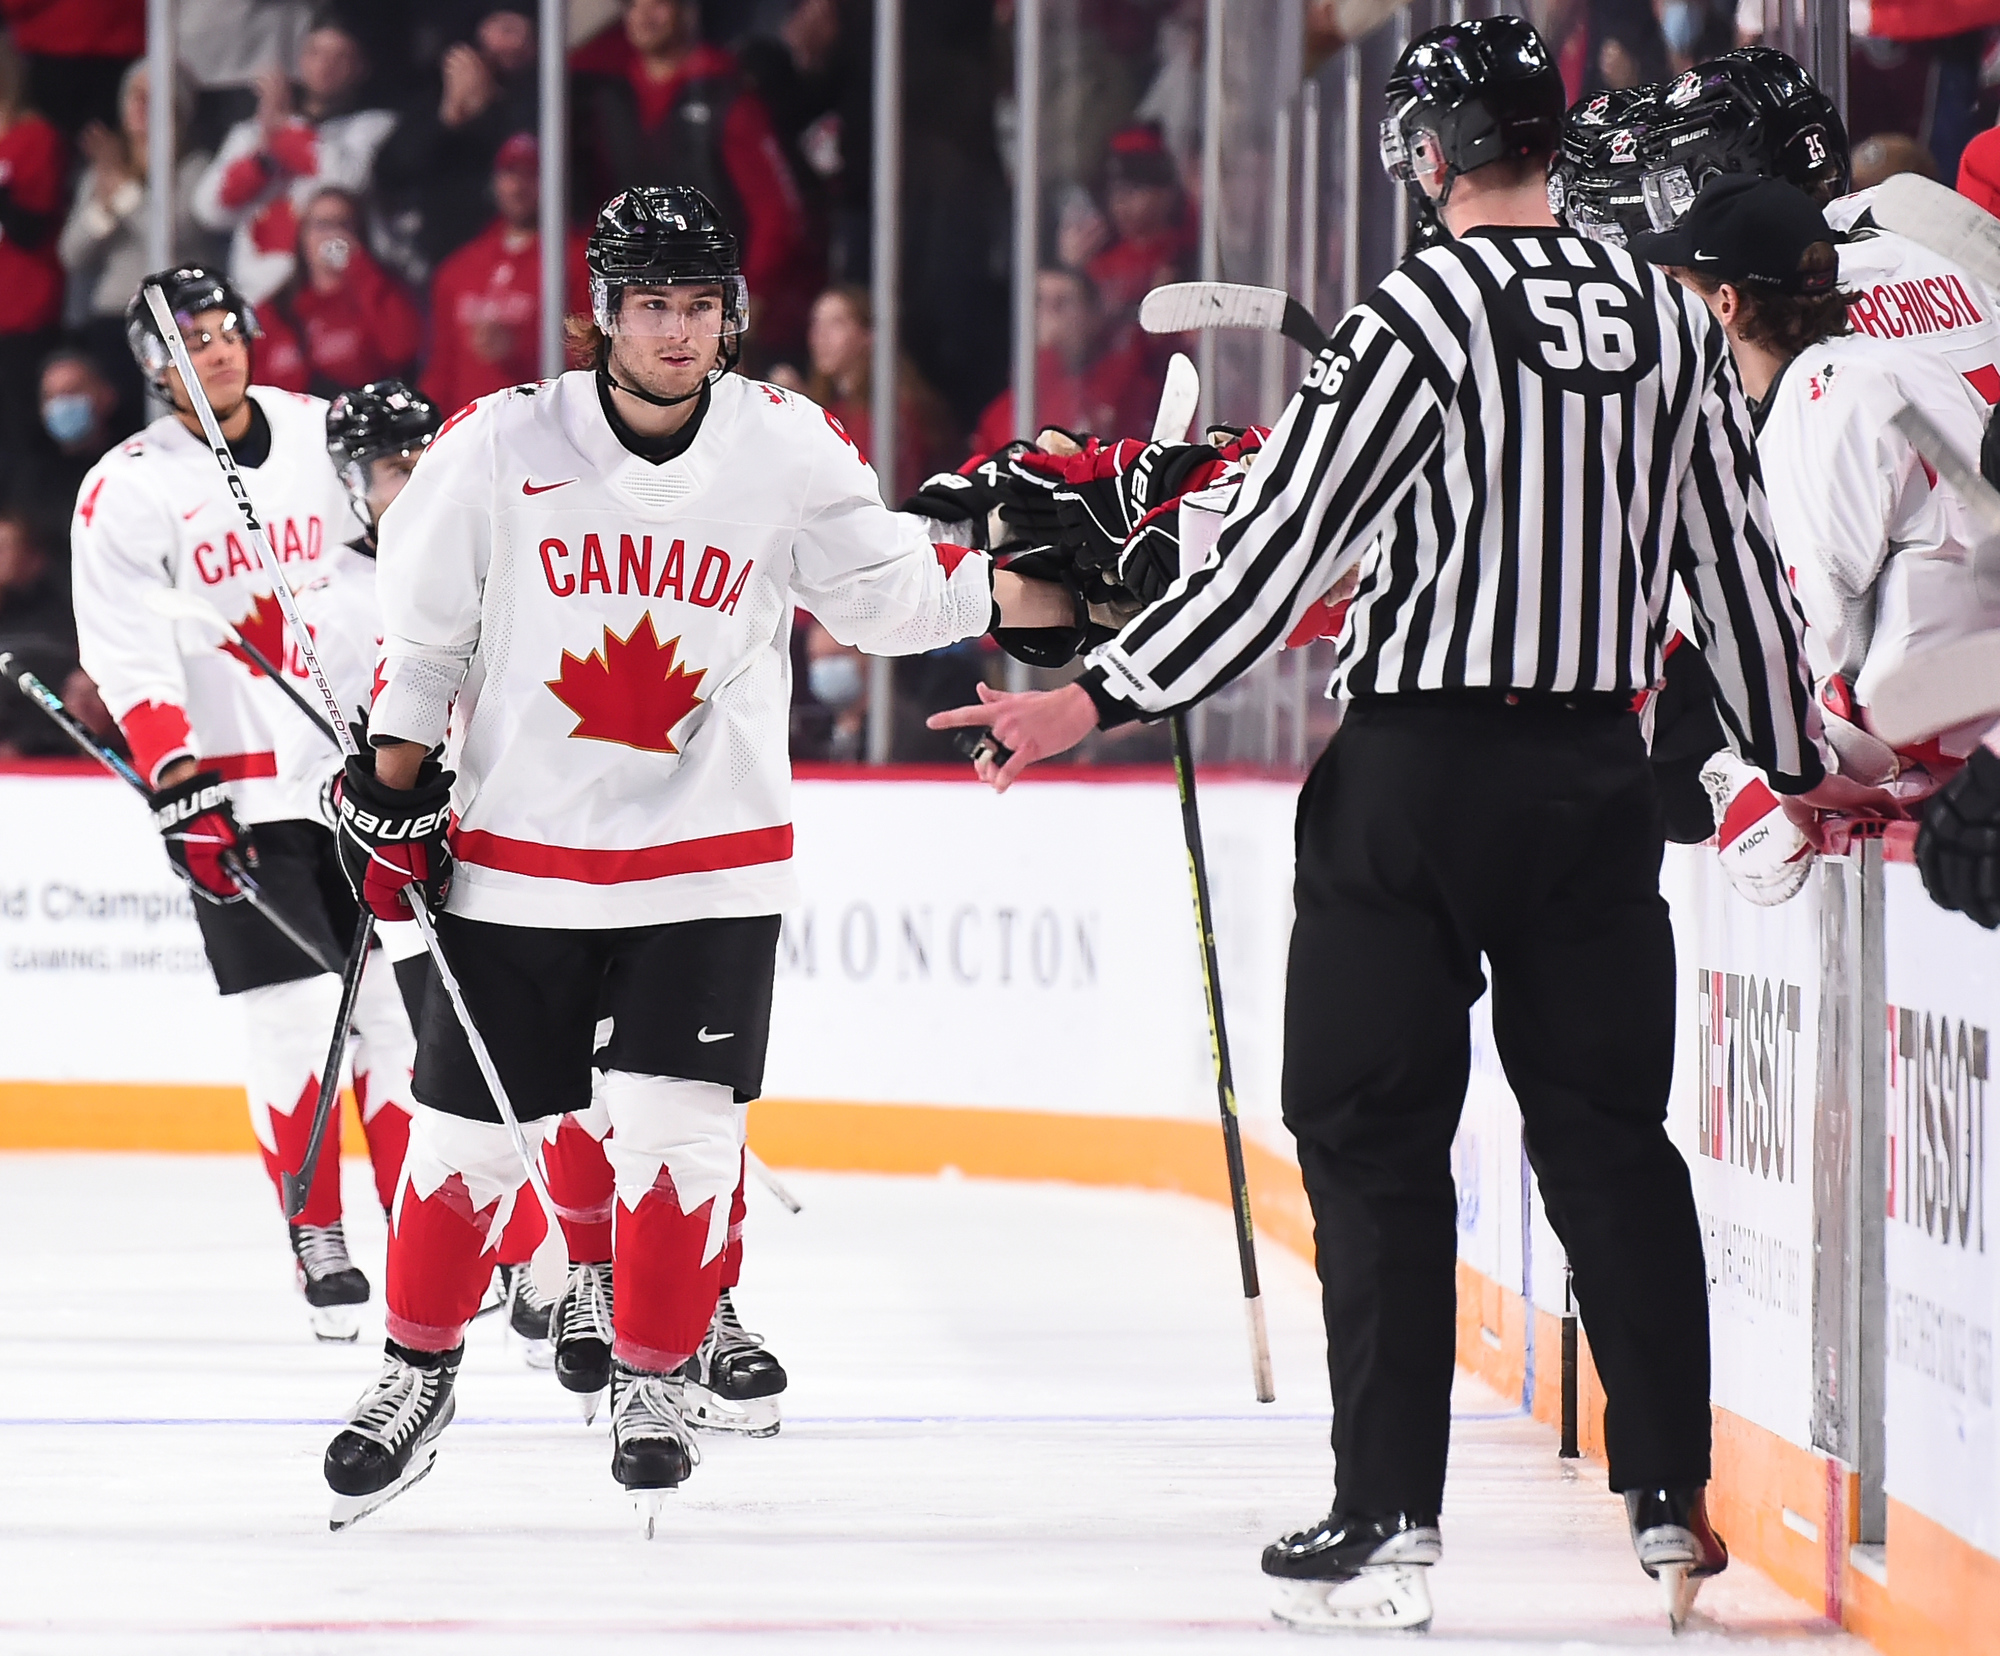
{"x":1020,"y":1416}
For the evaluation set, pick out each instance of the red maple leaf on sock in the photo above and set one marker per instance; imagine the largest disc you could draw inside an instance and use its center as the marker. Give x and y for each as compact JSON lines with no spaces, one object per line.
{"x":631,"y":691}
{"x":264,"y":627}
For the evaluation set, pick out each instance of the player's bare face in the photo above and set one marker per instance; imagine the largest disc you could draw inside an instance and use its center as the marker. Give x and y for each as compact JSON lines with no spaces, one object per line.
{"x":668,"y":339}
{"x":220,"y":351}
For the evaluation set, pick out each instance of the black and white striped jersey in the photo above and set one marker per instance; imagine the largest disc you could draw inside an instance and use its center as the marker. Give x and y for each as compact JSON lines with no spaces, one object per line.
{"x":1521,"y":437}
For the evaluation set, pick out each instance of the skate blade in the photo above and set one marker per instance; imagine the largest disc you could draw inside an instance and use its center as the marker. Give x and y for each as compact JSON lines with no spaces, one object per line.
{"x":1679,"y":1584}
{"x":648,"y":1503}
{"x":756,"y":1417}
{"x":1381,"y":1598}
{"x":538,"y":1354}
{"x":351,"y":1509}
{"x":588,"y":1402}
{"x":335,"y":1324}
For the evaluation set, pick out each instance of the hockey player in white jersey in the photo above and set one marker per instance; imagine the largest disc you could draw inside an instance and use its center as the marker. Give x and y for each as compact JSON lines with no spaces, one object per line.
{"x":1876,"y":548}
{"x":589,"y":583}
{"x":156,"y":536}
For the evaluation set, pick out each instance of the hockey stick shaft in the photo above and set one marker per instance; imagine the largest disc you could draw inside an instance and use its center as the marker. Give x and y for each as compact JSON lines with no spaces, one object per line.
{"x":770,"y":1181}
{"x":343,"y":736}
{"x":297,"y":1185}
{"x":291,"y":692}
{"x":1225,"y":1080}
{"x":78,"y":732}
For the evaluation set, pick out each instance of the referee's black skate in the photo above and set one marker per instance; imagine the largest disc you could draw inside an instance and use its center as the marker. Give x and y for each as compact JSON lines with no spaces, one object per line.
{"x":580,"y":1328}
{"x":333,"y":1287}
{"x":1676,"y":1544}
{"x":390,"y":1440}
{"x":732,"y":1383}
{"x":1356,"y":1573}
{"x":652,"y":1449}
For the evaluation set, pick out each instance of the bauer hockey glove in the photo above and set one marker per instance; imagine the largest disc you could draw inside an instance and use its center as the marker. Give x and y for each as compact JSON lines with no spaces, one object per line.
{"x":1958,"y":846}
{"x":203,"y":837}
{"x":1151,"y":559}
{"x":964,"y":499}
{"x":1765,"y":854}
{"x":391,"y":839}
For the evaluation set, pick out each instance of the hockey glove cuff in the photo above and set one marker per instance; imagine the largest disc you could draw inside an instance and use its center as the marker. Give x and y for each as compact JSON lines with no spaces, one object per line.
{"x":391,"y":839}
{"x":1765,"y":854}
{"x":1958,"y":846}
{"x":1049,"y":646}
{"x":203,"y":837}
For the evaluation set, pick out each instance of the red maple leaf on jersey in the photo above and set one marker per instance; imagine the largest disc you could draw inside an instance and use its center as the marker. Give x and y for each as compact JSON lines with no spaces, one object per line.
{"x":632,"y":691}
{"x":264,"y":627}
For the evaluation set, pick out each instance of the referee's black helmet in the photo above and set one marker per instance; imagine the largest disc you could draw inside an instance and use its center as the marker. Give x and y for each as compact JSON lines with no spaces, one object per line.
{"x":1755,"y":111}
{"x":1481,"y":90}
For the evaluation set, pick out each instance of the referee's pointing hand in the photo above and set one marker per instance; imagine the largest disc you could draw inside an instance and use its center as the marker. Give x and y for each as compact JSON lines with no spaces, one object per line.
{"x":1036,"y":724}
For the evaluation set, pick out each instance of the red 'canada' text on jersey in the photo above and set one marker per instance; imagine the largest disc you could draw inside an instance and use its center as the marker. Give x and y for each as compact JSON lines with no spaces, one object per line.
{"x":616,"y":637}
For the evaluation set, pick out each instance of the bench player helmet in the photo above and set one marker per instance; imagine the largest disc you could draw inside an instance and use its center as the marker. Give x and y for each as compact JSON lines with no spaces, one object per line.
{"x":660,"y":235}
{"x":1753,"y":111}
{"x":1597,"y":180}
{"x":381,"y":419}
{"x":1468,"y":94}
{"x":189,"y":290}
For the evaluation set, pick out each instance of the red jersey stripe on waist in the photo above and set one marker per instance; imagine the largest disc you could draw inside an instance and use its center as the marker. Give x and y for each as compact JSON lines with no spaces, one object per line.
{"x":709,"y":855}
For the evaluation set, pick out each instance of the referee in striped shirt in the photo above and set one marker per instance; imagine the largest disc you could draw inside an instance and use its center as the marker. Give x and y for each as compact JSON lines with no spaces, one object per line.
{"x":1520,"y":439}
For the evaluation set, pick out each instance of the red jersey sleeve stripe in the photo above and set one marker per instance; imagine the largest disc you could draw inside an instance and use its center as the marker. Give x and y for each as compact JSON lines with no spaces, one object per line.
{"x":653,"y":862}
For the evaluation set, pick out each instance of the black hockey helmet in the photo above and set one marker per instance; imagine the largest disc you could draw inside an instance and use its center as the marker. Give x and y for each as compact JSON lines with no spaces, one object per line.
{"x":1597,"y":180}
{"x":1752,"y":111}
{"x":656,"y":235}
{"x":1481,"y":90}
{"x":383,"y":418}
{"x":189,"y":290}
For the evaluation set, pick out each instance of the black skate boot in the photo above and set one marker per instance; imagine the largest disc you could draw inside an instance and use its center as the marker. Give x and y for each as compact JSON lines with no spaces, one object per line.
{"x":1675,"y":1543}
{"x":1356,"y":1573}
{"x":329,"y":1281}
{"x":528,"y":1315}
{"x":652,"y":1450}
{"x":732,"y":1382}
{"x":390,"y":1440}
{"x":580,"y":1328}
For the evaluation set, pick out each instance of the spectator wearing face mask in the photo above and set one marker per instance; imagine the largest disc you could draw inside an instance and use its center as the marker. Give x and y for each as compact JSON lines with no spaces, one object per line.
{"x":486,"y":304}
{"x":655,"y":105}
{"x":435,"y":165}
{"x":302,"y":139}
{"x":342,"y":320}
{"x":78,"y":406}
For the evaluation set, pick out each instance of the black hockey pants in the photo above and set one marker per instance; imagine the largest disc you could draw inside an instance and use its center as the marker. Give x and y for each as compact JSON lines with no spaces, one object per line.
{"x":1435,"y":830}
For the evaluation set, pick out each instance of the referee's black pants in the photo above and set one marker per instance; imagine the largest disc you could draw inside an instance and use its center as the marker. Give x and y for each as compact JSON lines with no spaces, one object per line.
{"x":1435,"y":830}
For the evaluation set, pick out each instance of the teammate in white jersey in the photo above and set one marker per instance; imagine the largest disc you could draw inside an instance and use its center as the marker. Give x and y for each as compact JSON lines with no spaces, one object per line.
{"x":156,"y":528}
{"x":588,"y":585}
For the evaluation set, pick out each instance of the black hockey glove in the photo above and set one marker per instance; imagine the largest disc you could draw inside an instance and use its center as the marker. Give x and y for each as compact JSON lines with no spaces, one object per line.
{"x":1958,"y":846}
{"x":391,"y":839}
{"x":1049,"y":646}
{"x":203,"y":837}
{"x":966,"y":496}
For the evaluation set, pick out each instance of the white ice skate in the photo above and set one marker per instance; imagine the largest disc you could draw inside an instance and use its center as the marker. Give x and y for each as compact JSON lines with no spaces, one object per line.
{"x":1379,"y":1598}
{"x":1676,"y":1544}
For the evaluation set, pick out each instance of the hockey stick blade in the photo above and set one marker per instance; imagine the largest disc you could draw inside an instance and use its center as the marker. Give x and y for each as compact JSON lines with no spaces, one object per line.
{"x":1180,"y":396}
{"x":1190,"y":307}
{"x":177,"y":605}
{"x":1942,"y":220}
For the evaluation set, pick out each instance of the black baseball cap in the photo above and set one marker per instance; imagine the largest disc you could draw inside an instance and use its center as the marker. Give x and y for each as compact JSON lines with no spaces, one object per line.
{"x":1746,"y":231}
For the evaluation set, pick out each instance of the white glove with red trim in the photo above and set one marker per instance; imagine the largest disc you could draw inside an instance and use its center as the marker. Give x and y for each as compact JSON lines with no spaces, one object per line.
{"x":1765,"y":854}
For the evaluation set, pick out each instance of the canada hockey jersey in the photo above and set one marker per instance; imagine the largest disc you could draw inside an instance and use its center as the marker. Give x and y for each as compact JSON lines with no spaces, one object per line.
{"x":608,"y":640}
{"x":156,"y":512}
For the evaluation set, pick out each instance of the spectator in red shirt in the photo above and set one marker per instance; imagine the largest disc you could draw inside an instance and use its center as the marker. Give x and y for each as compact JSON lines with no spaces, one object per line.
{"x":1149,"y":213}
{"x":841,"y":349}
{"x":31,"y":283}
{"x":1077,"y":386}
{"x":76,"y":52}
{"x":657,"y":106}
{"x":343,"y":320}
{"x":486,"y":303}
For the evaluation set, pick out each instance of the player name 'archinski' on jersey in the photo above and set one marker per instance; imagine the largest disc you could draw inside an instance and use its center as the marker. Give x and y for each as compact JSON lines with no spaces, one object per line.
{"x":714,"y":581}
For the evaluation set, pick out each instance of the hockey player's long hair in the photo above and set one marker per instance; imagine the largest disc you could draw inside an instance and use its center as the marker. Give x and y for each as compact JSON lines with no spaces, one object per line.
{"x":589,"y":346}
{"x":1789,"y":323}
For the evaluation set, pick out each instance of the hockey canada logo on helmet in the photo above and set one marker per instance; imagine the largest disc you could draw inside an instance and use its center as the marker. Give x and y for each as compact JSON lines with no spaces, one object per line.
{"x":1754,"y":111}
{"x":190,"y":291}
{"x":1595,"y":182}
{"x":665,"y":235}
{"x":1469,"y":94}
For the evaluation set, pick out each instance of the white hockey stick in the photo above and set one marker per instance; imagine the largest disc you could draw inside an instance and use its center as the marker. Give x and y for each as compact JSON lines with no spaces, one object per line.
{"x":551,"y":1261}
{"x":1958,"y":682}
{"x":1942,"y":220}
{"x":1188,"y":307}
{"x":1180,"y":396}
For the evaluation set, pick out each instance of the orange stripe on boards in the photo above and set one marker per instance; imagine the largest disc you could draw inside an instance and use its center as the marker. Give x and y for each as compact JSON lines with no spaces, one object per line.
{"x":111,"y":1115}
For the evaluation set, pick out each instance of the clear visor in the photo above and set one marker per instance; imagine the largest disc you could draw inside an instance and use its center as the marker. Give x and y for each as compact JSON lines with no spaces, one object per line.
{"x":1395,"y":152}
{"x":691,"y":310}
{"x":1669,"y":193}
